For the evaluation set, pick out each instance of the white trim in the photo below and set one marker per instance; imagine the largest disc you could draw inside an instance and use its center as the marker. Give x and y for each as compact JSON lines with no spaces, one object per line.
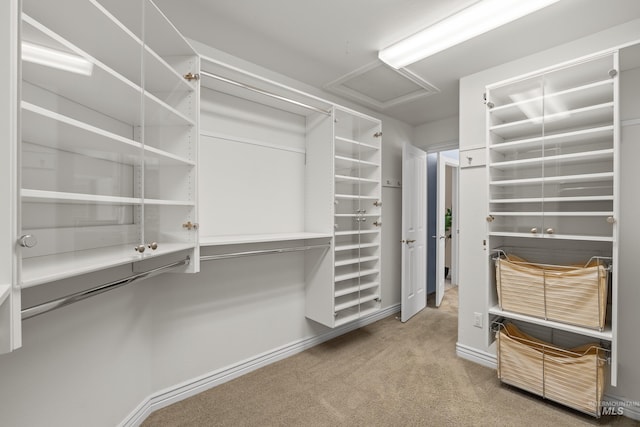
{"x":338,"y":87}
{"x":480,"y":357}
{"x":630,"y":122}
{"x":197,"y":385}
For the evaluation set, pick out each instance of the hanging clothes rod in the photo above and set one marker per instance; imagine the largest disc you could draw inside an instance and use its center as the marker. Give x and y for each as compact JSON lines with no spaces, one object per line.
{"x":39,"y":309}
{"x":264,"y":92}
{"x":262,"y":252}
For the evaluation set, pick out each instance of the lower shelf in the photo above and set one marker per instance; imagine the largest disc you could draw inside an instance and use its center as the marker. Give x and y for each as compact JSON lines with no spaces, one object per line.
{"x":354,"y":313}
{"x":606,"y":334}
{"x":49,"y":268}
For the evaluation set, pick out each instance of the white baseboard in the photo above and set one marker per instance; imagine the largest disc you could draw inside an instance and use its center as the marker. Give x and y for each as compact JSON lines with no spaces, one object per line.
{"x":197,"y":385}
{"x":629,"y":409}
{"x":480,"y":357}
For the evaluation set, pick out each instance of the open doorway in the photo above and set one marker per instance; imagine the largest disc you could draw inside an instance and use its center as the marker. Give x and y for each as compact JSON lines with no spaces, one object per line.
{"x":442,"y":229}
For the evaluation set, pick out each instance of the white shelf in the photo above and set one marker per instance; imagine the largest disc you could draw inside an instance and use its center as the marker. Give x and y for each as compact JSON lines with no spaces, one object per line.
{"x":105,"y":90}
{"x":355,"y":274}
{"x":258,"y":238}
{"x":348,"y":162}
{"x":357,"y":314}
{"x":44,"y":269}
{"x":351,"y":261}
{"x":355,"y":288}
{"x":605,"y":335}
{"x":355,"y":196}
{"x":339,"y":248}
{"x":5,"y":291}
{"x":547,"y":213}
{"x":43,"y":127}
{"x":586,"y":116}
{"x":587,"y":177}
{"x":355,"y":215}
{"x":86,"y":38}
{"x":356,"y":302}
{"x":583,"y":136}
{"x":554,"y":199}
{"x":356,"y":232}
{"x":589,"y":94}
{"x":553,"y":236}
{"x":563,"y":158}
{"x":43,"y":196}
{"x":356,"y":143}
{"x":345,"y":178}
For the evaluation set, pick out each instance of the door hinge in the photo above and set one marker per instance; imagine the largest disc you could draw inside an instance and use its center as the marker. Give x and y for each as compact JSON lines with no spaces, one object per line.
{"x":192,"y":76}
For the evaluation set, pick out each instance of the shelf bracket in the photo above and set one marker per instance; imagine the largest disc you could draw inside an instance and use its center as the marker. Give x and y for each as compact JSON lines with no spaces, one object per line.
{"x":190,"y":225}
{"x":192,"y":76}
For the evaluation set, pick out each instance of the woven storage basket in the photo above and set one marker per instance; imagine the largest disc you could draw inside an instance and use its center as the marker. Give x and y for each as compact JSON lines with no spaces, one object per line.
{"x":568,"y":294}
{"x":574,"y":378}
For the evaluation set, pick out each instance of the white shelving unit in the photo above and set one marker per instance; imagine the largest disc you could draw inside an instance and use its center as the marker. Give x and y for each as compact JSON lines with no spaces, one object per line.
{"x":107,"y":141}
{"x":349,"y":287}
{"x":553,"y":155}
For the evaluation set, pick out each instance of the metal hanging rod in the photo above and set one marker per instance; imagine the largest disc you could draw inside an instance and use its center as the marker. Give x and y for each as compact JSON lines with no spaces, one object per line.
{"x":39,"y":309}
{"x":262,"y":252}
{"x":264,"y":92}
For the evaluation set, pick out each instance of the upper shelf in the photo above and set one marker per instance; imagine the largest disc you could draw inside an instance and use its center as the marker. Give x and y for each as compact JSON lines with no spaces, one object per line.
{"x":50,"y":129}
{"x":85,"y":35}
{"x":590,"y":94}
{"x":104,"y":90}
{"x":558,"y":122}
{"x":352,"y":142}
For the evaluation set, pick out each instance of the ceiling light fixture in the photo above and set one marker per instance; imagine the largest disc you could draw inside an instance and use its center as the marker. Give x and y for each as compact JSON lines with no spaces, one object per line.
{"x":48,"y":57}
{"x":477,"y":19}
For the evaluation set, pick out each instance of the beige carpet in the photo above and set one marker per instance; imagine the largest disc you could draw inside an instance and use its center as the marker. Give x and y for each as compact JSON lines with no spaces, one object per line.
{"x":385,"y":374}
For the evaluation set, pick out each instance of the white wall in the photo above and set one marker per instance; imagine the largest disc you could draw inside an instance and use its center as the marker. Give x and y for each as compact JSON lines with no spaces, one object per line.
{"x":437,"y":135}
{"x":473,"y":189}
{"x":93,"y":363}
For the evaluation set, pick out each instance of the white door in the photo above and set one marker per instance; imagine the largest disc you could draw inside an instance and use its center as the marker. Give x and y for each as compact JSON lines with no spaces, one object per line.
{"x":414,"y":231}
{"x":441,"y":236}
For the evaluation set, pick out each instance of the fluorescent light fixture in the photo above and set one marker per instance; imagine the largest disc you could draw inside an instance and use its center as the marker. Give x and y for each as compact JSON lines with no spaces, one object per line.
{"x":56,"y":59}
{"x":477,"y":19}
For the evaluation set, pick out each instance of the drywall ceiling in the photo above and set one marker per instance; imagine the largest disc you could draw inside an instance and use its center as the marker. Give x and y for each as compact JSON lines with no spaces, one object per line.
{"x":324,"y":42}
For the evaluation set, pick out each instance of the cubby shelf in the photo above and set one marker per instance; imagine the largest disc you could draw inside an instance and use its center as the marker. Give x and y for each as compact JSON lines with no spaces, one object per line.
{"x":356,"y":302}
{"x":357,"y":288}
{"x":566,"y":199}
{"x":345,"y":178}
{"x":356,"y":232}
{"x":352,"y":261}
{"x":356,"y":143}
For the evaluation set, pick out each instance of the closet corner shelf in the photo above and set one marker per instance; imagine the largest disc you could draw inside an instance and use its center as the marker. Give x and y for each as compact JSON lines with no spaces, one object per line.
{"x":259,"y":238}
{"x":605,"y":335}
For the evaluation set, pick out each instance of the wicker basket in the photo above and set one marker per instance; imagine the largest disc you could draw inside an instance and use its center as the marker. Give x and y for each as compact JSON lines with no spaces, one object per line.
{"x":568,"y":294}
{"x":574,"y":378}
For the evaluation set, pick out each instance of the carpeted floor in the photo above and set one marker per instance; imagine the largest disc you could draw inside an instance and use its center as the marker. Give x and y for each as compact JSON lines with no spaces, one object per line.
{"x":385,"y":374}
